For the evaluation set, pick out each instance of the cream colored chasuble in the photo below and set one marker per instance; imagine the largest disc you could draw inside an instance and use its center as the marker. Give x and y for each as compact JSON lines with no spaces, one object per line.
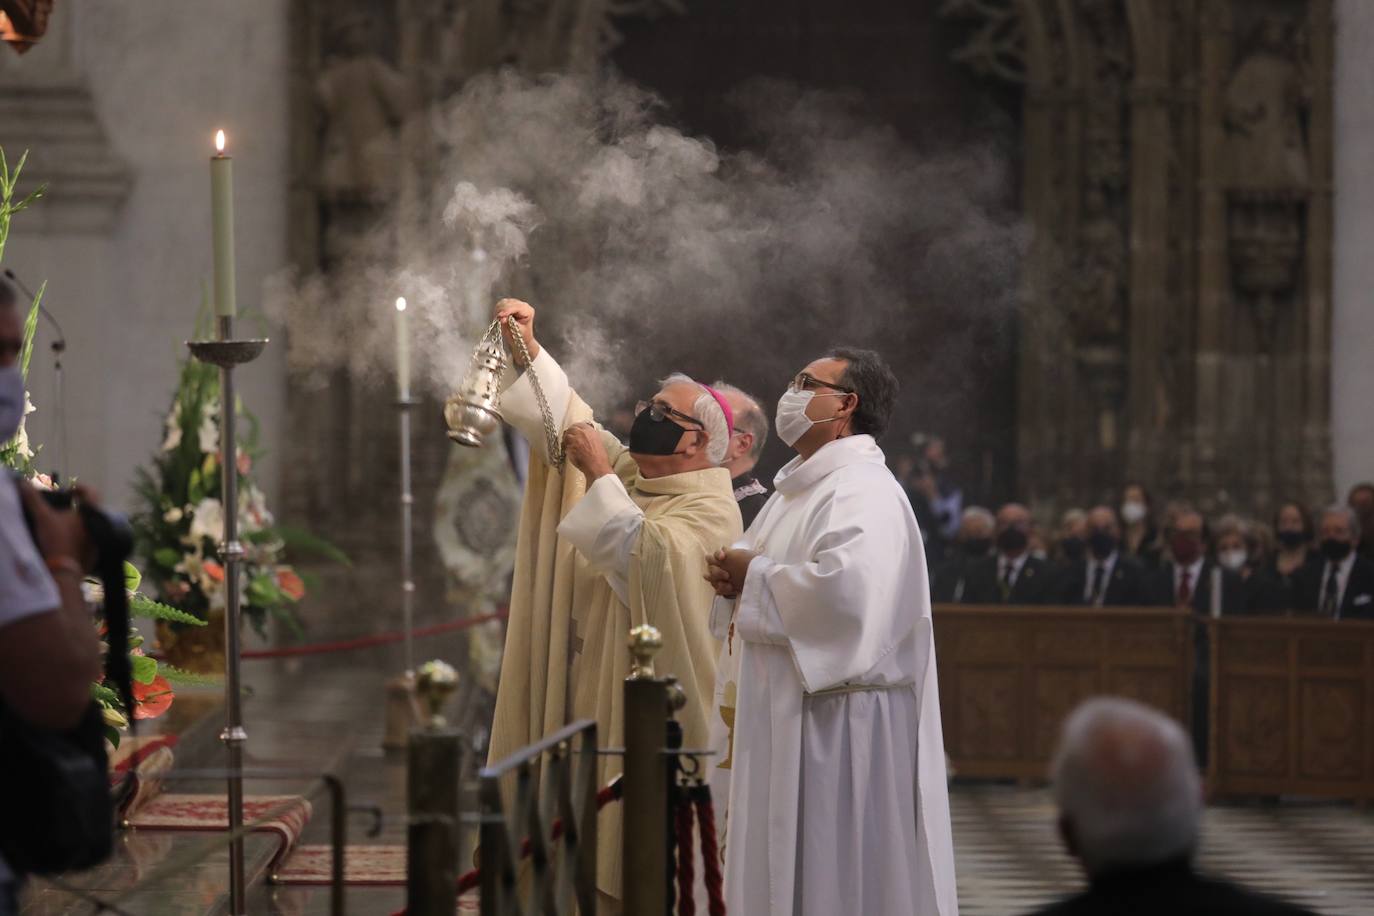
{"x":591,"y":564}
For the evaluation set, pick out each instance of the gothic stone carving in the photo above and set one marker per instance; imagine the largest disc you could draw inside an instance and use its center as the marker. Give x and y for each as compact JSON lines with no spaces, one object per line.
{"x":364,"y":72}
{"x":1177,"y":172}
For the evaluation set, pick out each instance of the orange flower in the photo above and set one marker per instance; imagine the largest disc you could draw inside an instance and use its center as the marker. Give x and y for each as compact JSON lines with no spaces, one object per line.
{"x":213,"y":570}
{"x":290,"y":583}
{"x":245,"y":462}
{"x":152,"y":700}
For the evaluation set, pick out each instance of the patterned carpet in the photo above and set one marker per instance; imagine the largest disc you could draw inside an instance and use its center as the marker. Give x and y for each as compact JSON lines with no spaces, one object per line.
{"x":1009,"y":859}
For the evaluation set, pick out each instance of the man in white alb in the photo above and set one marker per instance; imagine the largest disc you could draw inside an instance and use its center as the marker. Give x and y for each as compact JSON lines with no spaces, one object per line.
{"x":827,"y":713}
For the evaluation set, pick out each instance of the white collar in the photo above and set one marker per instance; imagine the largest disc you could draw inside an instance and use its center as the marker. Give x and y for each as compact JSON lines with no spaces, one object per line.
{"x":1109,"y":563}
{"x":798,"y":475}
{"x":1343,"y":568}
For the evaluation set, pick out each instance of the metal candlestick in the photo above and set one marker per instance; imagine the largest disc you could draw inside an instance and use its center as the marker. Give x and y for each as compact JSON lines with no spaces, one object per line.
{"x":228,"y":353}
{"x":404,"y":405}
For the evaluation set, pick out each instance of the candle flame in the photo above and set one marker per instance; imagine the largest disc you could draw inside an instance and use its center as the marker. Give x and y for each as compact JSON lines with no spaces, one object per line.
{"x":219,"y":141}
{"x":400,"y":303}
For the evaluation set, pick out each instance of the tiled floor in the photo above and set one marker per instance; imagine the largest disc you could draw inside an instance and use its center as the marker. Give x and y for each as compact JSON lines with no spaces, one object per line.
{"x":1009,"y":859}
{"x":320,"y":717}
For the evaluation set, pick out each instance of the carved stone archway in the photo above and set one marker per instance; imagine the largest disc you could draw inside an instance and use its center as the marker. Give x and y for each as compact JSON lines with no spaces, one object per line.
{"x":363,"y":73}
{"x":1176,"y":325}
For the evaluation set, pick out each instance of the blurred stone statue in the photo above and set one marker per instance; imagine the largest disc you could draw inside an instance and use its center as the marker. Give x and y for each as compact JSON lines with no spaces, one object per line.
{"x":364,"y":101}
{"x":1266,"y":102}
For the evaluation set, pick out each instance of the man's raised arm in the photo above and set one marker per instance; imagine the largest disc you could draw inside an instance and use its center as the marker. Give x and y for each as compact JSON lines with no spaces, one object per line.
{"x":519,"y":406}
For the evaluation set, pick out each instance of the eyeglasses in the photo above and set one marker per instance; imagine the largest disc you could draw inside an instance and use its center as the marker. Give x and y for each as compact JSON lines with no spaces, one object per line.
{"x":658,"y":410}
{"x":804,"y":382}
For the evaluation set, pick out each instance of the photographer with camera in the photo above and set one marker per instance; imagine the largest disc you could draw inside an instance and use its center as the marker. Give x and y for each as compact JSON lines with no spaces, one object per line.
{"x":49,"y":649}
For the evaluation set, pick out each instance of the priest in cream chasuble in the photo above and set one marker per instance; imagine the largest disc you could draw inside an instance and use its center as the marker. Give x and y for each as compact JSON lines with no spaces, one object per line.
{"x":618,"y":537}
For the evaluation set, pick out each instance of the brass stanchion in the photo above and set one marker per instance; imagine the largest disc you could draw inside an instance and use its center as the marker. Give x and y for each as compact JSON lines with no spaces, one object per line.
{"x":432,"y":785}
{"x":647,"y":834}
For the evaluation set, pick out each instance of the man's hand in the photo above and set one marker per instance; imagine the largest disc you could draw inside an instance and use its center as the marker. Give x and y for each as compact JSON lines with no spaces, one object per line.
{"x":523,"y":313}
{"x":60,"y":534}
{"x":583,"y":448}
{"x":726,"y":570}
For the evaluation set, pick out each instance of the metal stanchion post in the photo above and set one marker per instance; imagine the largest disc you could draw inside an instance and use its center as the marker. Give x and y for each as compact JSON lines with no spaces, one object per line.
{"x":647,"y":830}
{"x":433,"y":834}
{"x":226,"y":353}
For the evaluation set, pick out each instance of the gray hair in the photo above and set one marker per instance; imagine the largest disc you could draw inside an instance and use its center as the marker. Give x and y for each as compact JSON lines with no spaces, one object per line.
{"x":980,"y":515}
{"x":708,"y":410}
{"x":1127,"y":784}
{"x":750,"y":420}
{"x":1351,"y":516}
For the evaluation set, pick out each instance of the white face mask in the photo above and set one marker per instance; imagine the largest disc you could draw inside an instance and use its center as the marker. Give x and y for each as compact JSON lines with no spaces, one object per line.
{"x":11,"y":402}
{"x":791,"y":419}
{"x":1133,"y":513}
{"x":1233,"y":559}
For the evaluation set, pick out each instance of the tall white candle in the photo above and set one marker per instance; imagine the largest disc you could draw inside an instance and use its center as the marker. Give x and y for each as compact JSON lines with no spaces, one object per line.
{"x":402,"y":349}
{"x":222,"y":221}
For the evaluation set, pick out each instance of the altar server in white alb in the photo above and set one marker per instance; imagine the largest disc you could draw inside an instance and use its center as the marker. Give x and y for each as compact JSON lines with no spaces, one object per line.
{"x":827,"y":711}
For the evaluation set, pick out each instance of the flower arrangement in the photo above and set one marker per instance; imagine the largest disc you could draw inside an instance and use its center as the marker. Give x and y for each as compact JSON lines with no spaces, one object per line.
{"x":179,"y":524}
{"x":152,"y":682}
{"x":17,"y":454}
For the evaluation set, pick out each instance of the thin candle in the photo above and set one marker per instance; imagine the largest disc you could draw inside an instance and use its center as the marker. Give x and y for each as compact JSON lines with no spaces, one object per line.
{"x":402,"y":349}
{"x":222,"y":222}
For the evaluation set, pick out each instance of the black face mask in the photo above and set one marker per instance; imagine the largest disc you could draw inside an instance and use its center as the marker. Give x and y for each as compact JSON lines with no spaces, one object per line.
{"x":976,"y":547}
{"x":1334,"y":550}
{"x":1292,"y":539}
{"x":654,"y":437}
{"x":1072,"y":547}
{"x":1102,"y":544}
{"x":1012,"y":540}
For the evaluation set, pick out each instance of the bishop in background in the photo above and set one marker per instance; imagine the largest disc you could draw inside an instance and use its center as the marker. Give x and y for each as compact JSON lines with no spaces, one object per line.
{"x":827,"y":717}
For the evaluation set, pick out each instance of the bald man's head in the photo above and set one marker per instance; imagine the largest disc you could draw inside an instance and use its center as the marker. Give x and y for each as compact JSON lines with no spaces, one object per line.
{"x":1127,"y":786}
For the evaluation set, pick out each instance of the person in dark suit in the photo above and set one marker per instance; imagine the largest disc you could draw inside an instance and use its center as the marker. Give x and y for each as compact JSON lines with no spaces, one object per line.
{"x":1339,"y":584}
{"x":1273,"y":585}
{"x":1011,"y":575}
{"x":1140,"y":537}
{"x":1192,"y":579}
{"x":1105,"y":577}
{"x":1130,"y":803}
{"x":949,"y":582}
{"x":1361,"y":499}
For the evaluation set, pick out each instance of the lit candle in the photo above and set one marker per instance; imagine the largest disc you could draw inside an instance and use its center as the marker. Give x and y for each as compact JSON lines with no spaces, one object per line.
{"x":402,"y":350}
{"x":222,"y":218}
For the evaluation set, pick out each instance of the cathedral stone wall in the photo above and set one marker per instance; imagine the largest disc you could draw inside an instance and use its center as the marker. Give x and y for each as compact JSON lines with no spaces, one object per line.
{"x":118,"y":105}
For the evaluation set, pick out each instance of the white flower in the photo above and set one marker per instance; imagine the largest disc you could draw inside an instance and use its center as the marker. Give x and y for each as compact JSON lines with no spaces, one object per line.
{"x":173,"y":515}
{"x":173,"y":432}
{"x":207,"y":520}
{"x":209,"y":430}
{"x":253,"y":512}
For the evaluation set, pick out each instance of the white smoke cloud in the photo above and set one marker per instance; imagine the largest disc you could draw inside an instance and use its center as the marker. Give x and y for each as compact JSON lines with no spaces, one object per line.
{"x":646,"y":250}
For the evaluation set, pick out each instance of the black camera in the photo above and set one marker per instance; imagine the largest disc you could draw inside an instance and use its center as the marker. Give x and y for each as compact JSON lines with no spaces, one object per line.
{"x":112,"y":539}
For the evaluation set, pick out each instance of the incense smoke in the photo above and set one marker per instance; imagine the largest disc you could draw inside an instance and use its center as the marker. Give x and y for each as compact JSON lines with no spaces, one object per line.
{"x":646,"y":250}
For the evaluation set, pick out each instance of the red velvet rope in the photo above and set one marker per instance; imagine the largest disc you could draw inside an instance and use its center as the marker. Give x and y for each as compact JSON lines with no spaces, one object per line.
{"x":710,"y":852}
{"x":685,"y":872}
{"x":367,"y":642}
